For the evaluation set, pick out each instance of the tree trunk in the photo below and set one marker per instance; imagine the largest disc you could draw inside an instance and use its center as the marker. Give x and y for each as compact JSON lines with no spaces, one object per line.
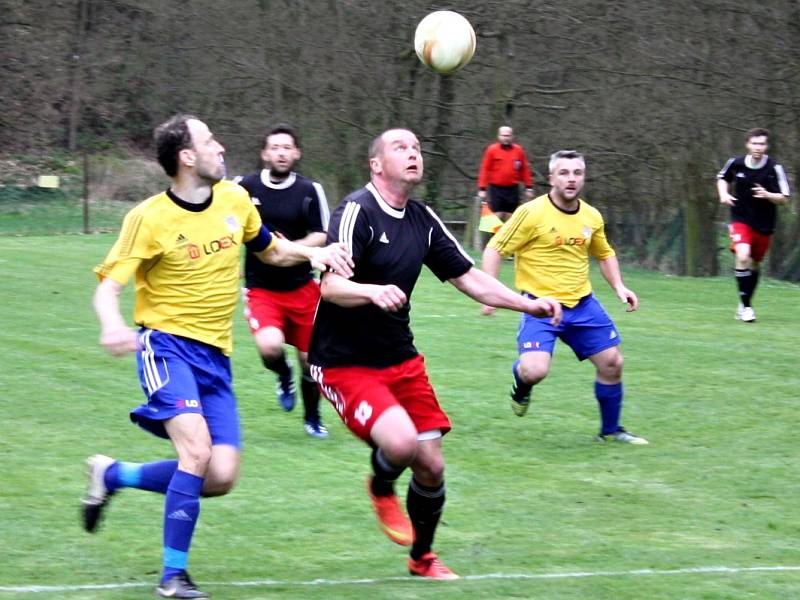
{"x":76,"y":88}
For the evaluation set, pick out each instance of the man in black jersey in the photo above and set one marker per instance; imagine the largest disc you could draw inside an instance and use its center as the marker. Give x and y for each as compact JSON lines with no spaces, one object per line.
{"x":759,"y":185}
{"x":280,"y":302}
{"x":362,"y":349}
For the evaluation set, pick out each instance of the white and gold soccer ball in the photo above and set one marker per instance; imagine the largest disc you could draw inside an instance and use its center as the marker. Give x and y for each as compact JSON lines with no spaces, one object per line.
{"x":444,"y":41}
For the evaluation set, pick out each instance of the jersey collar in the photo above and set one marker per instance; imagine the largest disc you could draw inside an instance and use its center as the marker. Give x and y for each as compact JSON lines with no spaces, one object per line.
{"x":748,"y":162}
{"x":566,"y":212}
{"x":392,"y":212}
{"x":277,"y":186}
{"x":188,"y":205}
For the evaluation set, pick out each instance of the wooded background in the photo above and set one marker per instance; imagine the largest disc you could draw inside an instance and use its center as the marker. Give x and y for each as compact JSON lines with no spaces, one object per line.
{"x":657,"y":94}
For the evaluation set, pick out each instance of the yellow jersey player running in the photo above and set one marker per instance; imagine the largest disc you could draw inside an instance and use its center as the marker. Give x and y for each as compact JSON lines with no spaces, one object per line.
{"x":551,"y":238}
{"x":183,"y":247}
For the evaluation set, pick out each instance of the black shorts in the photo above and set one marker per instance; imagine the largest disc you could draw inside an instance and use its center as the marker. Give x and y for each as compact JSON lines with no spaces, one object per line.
{"x":503,"y":198}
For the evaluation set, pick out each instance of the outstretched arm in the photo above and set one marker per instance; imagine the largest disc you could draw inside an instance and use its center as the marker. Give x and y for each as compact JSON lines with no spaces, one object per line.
{"x":315,"y":238}
{"x":487,"y":290}
{"x":491,"y":263}
{"x":609,"y":267}
{"x":284,"y":253}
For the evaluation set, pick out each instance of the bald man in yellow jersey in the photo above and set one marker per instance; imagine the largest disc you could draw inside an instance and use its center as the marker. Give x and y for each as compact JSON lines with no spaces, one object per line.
{"x":551,"y":238}
{"x":183,"y":247}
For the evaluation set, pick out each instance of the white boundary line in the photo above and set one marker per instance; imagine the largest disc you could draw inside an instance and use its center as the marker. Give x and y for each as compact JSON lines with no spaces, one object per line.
{"x":44,"y":589}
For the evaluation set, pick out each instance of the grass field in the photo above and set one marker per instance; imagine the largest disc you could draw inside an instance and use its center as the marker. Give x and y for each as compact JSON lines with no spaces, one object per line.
{"x":535,"y":508}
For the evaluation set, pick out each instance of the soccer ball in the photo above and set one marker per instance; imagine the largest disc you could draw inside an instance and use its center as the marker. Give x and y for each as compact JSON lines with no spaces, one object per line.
{"x":444,"y":41}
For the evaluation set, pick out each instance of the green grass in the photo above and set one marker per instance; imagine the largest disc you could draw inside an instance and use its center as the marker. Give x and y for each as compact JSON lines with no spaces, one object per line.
{"x":530,"y":498}
{"x":26,"y":211}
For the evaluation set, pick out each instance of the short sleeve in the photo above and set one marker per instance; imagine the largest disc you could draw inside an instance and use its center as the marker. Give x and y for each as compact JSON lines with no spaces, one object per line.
{"x":599,"y":246}
{"x":726,"y":171}
{"x":319,"y":215}
{"x":445,"y":257}
{"x":349,"y":225}
{"x":252,"y":222}
{"x":519,"y":230}
{"x":134,"y":245}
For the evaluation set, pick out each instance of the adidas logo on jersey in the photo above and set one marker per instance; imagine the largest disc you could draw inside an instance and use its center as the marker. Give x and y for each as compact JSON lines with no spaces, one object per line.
{"x":613,"y":335}
{"x":182,"y":239}
{"x":255,"y":201}
{"x":383,"y":239}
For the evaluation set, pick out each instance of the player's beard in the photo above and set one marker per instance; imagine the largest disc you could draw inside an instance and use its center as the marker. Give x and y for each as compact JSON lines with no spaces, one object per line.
{"x":280,"y":174}
{"x":212,"y":174}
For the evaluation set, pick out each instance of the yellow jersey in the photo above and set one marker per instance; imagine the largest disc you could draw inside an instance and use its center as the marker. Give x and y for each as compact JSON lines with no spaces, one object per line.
{"x":551,"y":248}
{"x":186,"y":259}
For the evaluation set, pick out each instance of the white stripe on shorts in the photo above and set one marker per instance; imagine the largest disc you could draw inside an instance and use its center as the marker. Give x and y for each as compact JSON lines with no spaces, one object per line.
{"x":431,"y":434}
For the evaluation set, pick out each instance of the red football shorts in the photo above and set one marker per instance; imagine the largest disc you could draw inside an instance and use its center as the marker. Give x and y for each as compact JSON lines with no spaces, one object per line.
{"x":292,"y":312}
{"x":742,"y":233}
{"x":361,"y":394}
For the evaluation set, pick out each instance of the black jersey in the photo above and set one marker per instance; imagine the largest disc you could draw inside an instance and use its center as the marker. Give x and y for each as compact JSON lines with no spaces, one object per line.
{"x":758,"y":213}
{"x":295,"y":207}
{"x":389,"y":247}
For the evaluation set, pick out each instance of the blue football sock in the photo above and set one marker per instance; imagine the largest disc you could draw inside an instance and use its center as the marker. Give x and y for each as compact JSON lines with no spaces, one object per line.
{"x":153,"y":477}
{"x":181,"y":511}
{"x":609,"y":397}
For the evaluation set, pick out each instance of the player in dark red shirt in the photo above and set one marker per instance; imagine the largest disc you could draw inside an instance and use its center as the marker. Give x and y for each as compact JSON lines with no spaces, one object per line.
{"x":759,"y":185}
{"x":280,"y":301}
{"x":362,"y":349}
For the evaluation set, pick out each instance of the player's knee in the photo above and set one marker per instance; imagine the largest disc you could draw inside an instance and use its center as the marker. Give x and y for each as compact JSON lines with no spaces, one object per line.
{"x":219,"y":484}
{"x":195,"y":457}
{"x":400,"y":449}
{"x":270,"y":351}
{"x":612,"y":368}
{"x":430,"y":472}
{"x":531,"y":374}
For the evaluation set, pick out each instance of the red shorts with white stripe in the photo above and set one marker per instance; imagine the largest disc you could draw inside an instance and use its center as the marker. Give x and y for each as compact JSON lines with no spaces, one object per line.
{"x":741,"y":233}
{"x":292,"y":312}
{"x":361,"y":394}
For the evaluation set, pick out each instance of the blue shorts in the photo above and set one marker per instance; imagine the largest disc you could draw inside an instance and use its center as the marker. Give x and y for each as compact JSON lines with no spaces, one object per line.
{"x":586,"y":328}
{"x":179,"y":376}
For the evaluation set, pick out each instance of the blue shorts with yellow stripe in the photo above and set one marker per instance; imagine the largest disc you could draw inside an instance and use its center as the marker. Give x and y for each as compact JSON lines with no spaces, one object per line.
{"x":180,"y":375}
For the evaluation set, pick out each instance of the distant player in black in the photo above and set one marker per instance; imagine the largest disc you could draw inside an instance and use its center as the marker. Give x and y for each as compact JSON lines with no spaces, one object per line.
{"x":759,"y":185}
{"x":280,"y":302}
{"x":362,"y":349}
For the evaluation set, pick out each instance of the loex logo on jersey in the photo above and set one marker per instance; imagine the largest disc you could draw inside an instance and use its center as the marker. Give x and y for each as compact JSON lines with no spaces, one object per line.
{"x":210,"y":248}
{"x":570,"y":241}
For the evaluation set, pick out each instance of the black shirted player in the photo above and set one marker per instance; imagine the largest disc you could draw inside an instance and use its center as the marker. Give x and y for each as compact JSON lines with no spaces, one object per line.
{"x":759,"y":184}
{"x":362,"y":349}
{"x":280,"y":301}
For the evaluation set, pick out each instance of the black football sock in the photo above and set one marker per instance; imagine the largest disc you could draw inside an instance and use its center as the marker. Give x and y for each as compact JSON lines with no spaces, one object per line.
{"x":425,"y":505}
{"x":753,"y":283}
{"x":277,"y":365}
{"x":743,"y":283}
{"x":310,"y":392}
{"x":385,"y":474}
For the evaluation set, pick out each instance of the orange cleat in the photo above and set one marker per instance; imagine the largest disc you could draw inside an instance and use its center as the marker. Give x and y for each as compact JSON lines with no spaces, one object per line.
{"x":430,"y":566}
{"x":391,"y":518}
